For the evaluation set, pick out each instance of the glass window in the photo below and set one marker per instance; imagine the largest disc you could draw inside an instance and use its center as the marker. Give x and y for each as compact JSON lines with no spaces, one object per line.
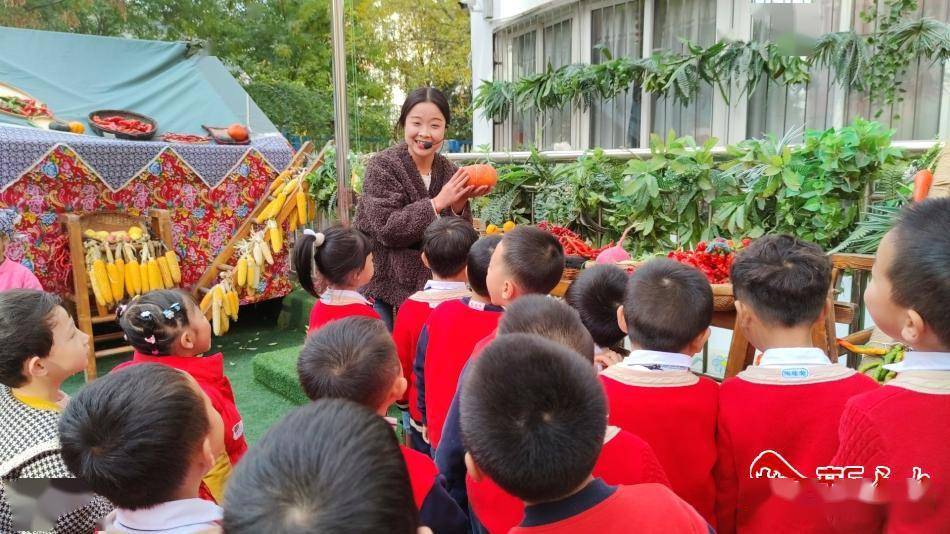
{"x":556,"y":128}
{"x":523,"y":62}
{"x":693,"y":20}
{"x":615,"y":123}
{"x":922,"y":83}
{"x":776,"y":108}
{"x":499,"y":139}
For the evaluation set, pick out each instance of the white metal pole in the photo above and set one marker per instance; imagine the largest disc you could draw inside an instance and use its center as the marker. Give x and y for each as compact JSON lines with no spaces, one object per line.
{"x":340,"y":130}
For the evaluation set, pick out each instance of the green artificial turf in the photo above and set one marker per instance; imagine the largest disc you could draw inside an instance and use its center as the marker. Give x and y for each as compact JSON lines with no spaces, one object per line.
{"x":255,"y":332}
{"x":295,"y":311}
{"x":277,"y":371}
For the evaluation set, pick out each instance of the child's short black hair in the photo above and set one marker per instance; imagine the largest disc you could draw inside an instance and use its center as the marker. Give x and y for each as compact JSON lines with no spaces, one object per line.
{"x":533,"y":416}
{"x":920,"y":273}
{"x":130,"y":434}
{"x":353,"y":358}
{"x":783,"y":278}
{"x":328,"y":466}
{"x":446,"y":243}
{"x":343,"y":251}
{"x":551,"y":319}
{"x":534,"y":258}
{"x":596,"y":294}
{"x":153,"y":321}
{"x":478,"y":259}
{"x":25,"y":331}
{"x":667,"y":305}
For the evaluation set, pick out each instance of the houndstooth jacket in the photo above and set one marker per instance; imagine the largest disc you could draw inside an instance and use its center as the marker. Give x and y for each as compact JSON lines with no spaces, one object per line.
{"x":29,"y":448}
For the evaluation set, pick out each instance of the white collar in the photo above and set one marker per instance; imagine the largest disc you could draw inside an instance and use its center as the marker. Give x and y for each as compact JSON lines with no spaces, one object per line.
{"x":186,"y":515}
{"x":644,"y":358}
{"x":444,"y":285}
{"x":793,"y":356}
{"x":342,"y":296}
{"x":922,"y":361}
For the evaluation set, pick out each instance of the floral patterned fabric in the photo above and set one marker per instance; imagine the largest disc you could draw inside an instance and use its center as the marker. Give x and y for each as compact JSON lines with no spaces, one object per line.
{"x":203,"y":219}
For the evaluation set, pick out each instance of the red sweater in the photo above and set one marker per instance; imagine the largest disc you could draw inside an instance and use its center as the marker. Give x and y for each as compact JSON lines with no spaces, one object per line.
{"x":447,"y":347}
{"x":208,"y":371}
{"x":644,"y":508}
{"x":902,"y":425}
{"x":675,"y":412}
{"x":760,"y":410}
{"x":321,"y":314}
{"x":625,"y":459}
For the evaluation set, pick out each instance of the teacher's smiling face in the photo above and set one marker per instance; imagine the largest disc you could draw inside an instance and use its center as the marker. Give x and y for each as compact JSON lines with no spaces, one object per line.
{"x":425,"y":126}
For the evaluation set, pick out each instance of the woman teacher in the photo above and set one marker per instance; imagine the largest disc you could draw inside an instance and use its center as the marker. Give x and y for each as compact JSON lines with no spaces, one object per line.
{"x":406,"y":187}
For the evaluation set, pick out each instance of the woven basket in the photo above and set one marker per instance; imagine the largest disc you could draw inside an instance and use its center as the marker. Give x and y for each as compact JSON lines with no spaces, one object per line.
{"x":723,"y":299}
{"x":568,"y":276}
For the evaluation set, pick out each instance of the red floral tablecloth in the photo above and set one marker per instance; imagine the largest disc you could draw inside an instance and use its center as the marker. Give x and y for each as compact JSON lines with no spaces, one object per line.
{"x":203,"y":219}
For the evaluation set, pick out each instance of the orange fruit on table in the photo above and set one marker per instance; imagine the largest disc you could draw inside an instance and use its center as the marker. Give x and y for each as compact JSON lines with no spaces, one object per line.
{"x":238,"y":132}
{"x":481,"y":175}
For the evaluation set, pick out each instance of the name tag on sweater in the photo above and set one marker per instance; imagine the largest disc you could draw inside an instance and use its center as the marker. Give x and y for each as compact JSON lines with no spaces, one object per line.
{"x":795,"y":373}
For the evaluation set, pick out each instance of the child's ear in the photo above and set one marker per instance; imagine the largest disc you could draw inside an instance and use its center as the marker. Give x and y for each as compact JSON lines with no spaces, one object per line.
{"x":207,"y":455}
{"x":510,"y":290}
{"x":743,"y":318}
{"x":425,"y":261}
{"x":400,"y":385}
{"x":34,"y":367}
{"x":913,"y":328}
{"x":622,"y":320}
{"x":187,"y":339}
{"x":472,"y":468}
{"x":696,"y":345}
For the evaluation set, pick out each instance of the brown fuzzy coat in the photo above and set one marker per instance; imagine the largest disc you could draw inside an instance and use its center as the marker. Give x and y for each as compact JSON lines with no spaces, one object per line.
{"x":394,"y":210}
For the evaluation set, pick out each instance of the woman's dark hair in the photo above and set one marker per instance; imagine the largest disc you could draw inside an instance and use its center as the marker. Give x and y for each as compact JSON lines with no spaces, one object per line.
{"x":420,"y":95}
{"x":352,"y":358}
{"x":130,"y":434}
{"x":479,"y":256}
{"x":446,"y":244}
{"x":26,"y":330}
{"x":153,"y":321}
{"x":343,"y":251}
{"x":549,"y":318}
{"x":533,"y":416}
{"x":596,"y":294}
{"x":328,"y":466}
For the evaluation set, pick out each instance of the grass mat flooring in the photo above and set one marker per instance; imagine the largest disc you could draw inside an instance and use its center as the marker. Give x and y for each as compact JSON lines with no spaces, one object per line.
{"x":255,"y":332}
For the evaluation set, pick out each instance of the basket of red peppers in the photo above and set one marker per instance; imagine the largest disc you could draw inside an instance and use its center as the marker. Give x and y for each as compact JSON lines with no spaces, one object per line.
{"x":574,"y":245}
{"x":123,"y":124}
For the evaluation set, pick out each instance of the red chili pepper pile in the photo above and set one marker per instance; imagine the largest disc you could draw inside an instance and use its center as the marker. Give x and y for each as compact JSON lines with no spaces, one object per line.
{"x":185,"y":138}
{"x":122,"y":125}
{"x":713,"y":259}
{"x":573,"y":244}
{"x":26,"y":107}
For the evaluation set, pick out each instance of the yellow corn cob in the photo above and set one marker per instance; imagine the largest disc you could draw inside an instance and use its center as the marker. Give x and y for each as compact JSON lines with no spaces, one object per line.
{"x":279,"y":181}
{"x":120,"y":265}
{"x":205,"y":305}
{"x":216,"y":311}
{"x":291,"y":185}
{"x":173,"y":266}
{"x":95,"y":288}
{"x":225,"y":323}
{"x":102,"y":278}
{"x":276,"y":238}
{"x":301,"y":207}
{"x":166,"y":273}
{"x":154,"y":275}
{"x":133,"y":277}
{"x":258,"y":254}
{"x":225,"y":302}
{"x":292,"y":227}
{"x":235,"y":304}
{"x":311,"y":209}
{"x":253,"y":275}
{"x":242,"y":272}
{"x":144,"y":277}
{"x":265,"y":251}
{"x":115,"y":280}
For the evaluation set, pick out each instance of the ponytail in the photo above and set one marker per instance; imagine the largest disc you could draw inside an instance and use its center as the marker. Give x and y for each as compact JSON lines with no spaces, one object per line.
{"x":328,"y":258}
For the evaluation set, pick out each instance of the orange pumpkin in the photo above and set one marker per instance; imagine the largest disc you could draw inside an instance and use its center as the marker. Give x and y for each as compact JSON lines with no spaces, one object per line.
{"x":237,"y":132}
{"x":481,"y":175}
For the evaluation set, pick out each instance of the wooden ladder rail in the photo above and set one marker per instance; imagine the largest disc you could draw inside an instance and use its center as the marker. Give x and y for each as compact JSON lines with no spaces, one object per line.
{"x":217,"y":265}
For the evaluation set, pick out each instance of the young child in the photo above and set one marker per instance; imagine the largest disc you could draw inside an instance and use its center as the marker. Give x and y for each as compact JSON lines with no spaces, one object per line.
{"x":596,"y":294}
{"x":667,"y":310}
{"x":167,"y":327}
{"x":443,"y":347}
{"x":41,"y":348}
{"x":328,"y":466}
{"x":624,"y":459}
{"x":142,"y":439}
{"x":792,"y":400}
{"x":527,"y":261}
{"x":13,"y":275}
{"x":445,"y":249}
{"x":355,"y":359}
{"x":332,"y":266}
{"x":903,"y":425}
{"x":538,"y":433}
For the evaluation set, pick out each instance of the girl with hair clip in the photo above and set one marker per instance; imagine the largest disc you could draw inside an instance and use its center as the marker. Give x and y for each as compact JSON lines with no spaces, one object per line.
{"x":333,"y":265}
{"x":166,"y":326}
{"x":407,"y":186}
